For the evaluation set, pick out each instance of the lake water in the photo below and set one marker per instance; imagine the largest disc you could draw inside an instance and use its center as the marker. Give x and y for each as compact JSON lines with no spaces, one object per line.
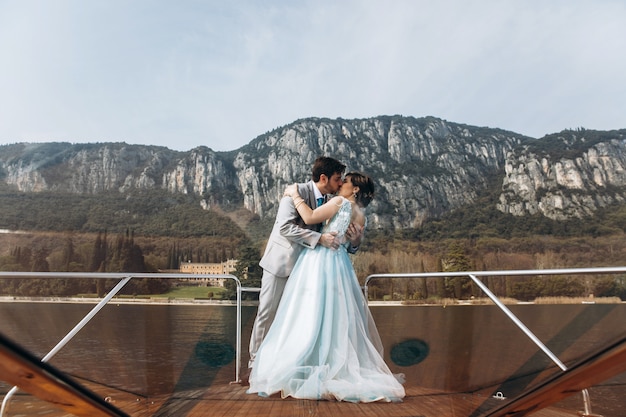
{"x":159,"y":349}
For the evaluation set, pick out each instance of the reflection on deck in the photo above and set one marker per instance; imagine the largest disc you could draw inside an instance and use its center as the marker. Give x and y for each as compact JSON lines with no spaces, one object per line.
{"x":459,"y":361}
{"x":225,"y":399}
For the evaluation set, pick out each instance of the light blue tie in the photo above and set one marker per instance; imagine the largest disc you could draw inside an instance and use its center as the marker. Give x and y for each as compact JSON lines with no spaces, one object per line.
{"x":320,"y":201}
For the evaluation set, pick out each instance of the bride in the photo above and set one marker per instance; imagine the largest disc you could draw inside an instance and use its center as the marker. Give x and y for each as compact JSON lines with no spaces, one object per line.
{"x":323,"y":343}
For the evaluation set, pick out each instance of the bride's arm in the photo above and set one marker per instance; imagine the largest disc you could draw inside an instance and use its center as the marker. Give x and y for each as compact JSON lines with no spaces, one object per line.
{"x":310,"y":216}
{"x":320,"y":214}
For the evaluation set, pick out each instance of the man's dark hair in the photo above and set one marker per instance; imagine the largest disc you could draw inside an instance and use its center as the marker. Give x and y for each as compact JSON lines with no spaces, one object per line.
{"x":327,"y":166}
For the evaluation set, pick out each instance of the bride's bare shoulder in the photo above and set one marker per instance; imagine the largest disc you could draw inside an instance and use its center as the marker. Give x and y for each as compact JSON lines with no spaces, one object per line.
{"x":358,"y":216}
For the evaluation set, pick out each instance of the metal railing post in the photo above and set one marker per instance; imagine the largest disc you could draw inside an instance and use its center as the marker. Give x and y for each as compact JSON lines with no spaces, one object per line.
{"x":238,"y":359}
{"x":518,"y":322}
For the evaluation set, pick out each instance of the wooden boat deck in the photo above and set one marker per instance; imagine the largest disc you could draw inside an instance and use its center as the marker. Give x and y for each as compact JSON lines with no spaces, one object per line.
{"x":232,"y":400}
{"x":224,"y":398}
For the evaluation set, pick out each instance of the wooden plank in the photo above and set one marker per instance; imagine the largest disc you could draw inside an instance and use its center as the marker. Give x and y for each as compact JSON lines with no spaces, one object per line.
{"x":241,"y":404}
{"x":429,"y":403}
{"x":226,"y":400}
{"x":597,"y":368}
{"x":20,"y":368}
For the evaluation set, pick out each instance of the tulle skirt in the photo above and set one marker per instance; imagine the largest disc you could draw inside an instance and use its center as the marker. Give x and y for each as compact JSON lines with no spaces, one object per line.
{"x":323,"y":343}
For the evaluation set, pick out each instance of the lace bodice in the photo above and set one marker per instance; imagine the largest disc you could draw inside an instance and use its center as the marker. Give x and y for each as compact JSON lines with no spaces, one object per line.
{"x":340,"y":221}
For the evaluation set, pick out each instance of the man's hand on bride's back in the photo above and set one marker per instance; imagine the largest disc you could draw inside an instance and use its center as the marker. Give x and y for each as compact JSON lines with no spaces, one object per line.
{"x":290,"y":190}
{"x":328,"y":240}
{"x":354,"y":234}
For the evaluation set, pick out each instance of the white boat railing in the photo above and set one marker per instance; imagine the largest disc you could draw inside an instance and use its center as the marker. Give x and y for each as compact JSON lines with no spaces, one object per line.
{"x":474,"y":276}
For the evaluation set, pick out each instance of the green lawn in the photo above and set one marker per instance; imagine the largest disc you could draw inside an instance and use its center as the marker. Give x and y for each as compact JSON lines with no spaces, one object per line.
{"x":193,"y":292}
{"x":180,"y":292}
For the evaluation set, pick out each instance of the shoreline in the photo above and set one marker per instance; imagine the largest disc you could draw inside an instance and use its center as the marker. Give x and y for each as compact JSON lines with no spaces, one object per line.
{"x":142,"y":301}
{"x":254,"y":303}
{"x":160,"y":301}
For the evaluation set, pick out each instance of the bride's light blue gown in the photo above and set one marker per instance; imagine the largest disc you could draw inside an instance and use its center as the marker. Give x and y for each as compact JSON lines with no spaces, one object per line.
{"x":323,"y":343}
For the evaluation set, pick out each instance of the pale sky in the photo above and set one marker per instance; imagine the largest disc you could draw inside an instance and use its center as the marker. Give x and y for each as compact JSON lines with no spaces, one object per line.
{"x":218,"y":73}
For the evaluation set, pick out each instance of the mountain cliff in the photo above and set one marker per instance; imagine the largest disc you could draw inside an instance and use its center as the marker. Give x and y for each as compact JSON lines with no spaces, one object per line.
{"x":565,"y":176}
{"x":423,"y":168}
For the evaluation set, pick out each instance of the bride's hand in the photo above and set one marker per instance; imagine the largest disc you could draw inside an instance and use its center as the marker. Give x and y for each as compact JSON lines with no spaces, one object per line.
{"x":291,"y":191}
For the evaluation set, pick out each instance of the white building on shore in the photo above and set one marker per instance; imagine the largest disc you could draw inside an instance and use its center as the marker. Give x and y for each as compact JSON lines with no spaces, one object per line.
{"x":226,"y":267}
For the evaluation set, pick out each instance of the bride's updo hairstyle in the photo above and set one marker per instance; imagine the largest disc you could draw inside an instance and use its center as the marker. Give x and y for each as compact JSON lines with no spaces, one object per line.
{"x":366,"y":188}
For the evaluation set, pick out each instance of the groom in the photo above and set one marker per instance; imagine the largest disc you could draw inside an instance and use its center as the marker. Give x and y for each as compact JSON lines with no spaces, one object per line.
{"x":290,"y":235}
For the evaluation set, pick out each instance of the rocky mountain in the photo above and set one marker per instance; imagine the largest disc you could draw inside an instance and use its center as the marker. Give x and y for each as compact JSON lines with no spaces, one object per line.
{"x":565,"y":176}
{"x":423,"y":168}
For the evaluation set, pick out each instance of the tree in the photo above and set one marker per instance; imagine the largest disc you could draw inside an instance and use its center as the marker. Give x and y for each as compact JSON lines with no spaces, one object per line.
{"x":440,"y":283}
{"x":613,"y":287}
{"x":422,"y":288}
{"x":98,"y":259}
{"x":248,"y":271}
{"x":456,"y":261}
{"x":100,"y":283}
{"x":68,"y":253}
{"x":127,"y":256}
{"x":40,"y":263}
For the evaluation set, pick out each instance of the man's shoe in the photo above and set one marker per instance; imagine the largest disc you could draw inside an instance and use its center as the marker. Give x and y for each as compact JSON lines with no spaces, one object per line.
{"x":245,"y":377}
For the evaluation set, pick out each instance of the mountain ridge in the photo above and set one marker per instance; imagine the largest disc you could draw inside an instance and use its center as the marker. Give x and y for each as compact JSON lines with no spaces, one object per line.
{"x":423,"y":167}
